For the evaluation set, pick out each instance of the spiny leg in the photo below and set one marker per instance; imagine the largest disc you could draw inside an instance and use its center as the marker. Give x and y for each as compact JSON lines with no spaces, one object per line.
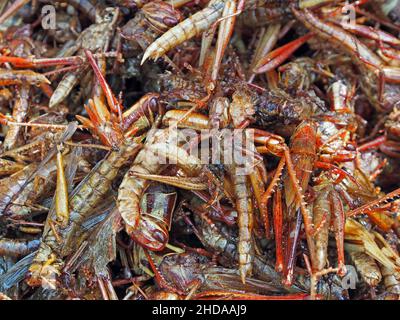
{"x":300,"y":198}
{"x":292,"y":241}
{"x":267,"y":194}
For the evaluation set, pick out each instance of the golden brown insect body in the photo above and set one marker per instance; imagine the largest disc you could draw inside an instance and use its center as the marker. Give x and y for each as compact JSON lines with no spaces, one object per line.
{"x":161,"y":147}
{"x":89,"y":193}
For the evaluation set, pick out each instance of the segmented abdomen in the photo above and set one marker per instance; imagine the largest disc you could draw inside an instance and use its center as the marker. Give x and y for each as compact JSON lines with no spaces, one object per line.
{"x":189,"y":28}
{"x":244,"y":206}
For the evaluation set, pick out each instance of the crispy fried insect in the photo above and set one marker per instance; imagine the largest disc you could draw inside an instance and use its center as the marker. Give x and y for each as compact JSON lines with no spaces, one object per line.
{"x":95,"y":38}
{"x":258,"y":159}
{"x":383,"y":96}
{"x":152,"y":19}
{"x":161,"y":147}
{"x":367,"y":267}
{"x":58,"y":240}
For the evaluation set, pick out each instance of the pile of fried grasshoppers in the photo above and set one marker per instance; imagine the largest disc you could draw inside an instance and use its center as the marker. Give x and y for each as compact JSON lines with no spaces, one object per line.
{"x":193,"y":149}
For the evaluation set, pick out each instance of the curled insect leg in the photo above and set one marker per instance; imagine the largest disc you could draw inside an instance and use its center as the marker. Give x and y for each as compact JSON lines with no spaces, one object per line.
{"x":151,"y":233}
{"x":159,"y":278}
{"x":102,"y":122}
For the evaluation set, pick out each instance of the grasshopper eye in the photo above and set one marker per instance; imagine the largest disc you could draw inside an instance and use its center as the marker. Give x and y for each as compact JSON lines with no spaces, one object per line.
{"x":170,"y":21}
{"x":153,"y":102}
